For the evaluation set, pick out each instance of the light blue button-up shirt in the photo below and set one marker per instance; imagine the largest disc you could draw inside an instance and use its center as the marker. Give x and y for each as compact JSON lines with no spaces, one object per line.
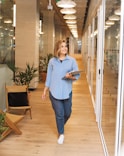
{"x":59,"y":88}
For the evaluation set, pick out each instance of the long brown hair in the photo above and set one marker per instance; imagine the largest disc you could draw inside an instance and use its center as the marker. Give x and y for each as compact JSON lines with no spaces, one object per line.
{"x":57,"y":48}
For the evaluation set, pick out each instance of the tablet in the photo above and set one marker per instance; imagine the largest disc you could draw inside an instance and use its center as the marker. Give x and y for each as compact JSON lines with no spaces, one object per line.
{"x":73,"y":73}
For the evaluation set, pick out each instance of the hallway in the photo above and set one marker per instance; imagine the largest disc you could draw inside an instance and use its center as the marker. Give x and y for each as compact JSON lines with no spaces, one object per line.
{"x":39,"y":135}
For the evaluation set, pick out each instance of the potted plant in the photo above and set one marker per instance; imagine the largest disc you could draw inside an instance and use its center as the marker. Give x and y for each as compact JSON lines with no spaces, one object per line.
{"x":3,"y":126}
{"x":24,"y":77}
{"x":44,"y":60}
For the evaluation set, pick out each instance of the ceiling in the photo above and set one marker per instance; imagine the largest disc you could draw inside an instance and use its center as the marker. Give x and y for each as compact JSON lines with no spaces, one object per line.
{"x":81,"y":13}
{"x":82,"y":7}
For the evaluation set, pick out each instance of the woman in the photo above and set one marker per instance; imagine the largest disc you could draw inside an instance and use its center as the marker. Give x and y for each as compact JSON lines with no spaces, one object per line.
{"x":60,"y":89}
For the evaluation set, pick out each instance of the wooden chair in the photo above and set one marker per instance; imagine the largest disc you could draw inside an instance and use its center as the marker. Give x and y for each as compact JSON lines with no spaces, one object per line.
{"x":10,"y":124}
{"x":17,"y":98}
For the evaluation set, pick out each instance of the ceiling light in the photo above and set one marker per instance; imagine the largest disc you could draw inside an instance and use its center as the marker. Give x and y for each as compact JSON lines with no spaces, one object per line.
{"x":8,"y":21}
{"x":117,"y":12}
{"x":110,"y":22}
{"x":69,"y":16}
{"x":71,"y":21}
{"x":66,"y":4}
{"x":72,"y":26}
{"x":1,"y":17}
{"x":1,"y":34}
{"x":68,"y":11}
{"x":74,"y":30}
{"x":106,"y":27}
{"x":95,"y":32}
{"x":114,"y":18}
{"x":75,"y":34}
{"x":14,"y":15}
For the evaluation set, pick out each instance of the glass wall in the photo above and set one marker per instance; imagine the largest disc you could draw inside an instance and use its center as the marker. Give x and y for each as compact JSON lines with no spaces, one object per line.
{"x":7,"y":40}
{"x":89,"y":47}
{"x":108,"y":66}
{"x":85,"y":50}
{"x":119,"y":146}
{"x":110,"y":77}
{"x":94,"y":57}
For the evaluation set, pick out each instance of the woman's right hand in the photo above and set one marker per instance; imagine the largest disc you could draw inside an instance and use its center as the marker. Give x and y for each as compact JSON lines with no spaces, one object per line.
{"x":43,"y":95}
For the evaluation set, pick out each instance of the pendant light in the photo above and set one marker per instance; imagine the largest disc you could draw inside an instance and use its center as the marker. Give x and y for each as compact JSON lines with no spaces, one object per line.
{"x":69,"y":16}
{"x":68,"y":11}
{"x":110,"y":22}
{"x":114,"y":18}
{"x":7,"y":21}
{"x":71,"y":21}
{"x":66,"y":4}
{"x":1,"y":16}
{"x":72,"y":26}
{"x":117,"y":12}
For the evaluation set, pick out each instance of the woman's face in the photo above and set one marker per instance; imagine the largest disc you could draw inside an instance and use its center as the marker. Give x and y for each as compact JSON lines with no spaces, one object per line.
{"x":63,"y":49}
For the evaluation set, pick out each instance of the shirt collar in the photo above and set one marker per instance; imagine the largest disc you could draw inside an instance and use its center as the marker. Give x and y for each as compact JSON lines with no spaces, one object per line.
{"x":66,"y":58}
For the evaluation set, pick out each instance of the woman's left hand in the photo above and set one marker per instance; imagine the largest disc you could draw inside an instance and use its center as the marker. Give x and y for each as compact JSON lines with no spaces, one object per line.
{"x":70,"y":76}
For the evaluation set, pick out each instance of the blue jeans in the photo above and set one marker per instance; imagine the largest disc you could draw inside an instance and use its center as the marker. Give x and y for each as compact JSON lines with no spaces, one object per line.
{"x":62,"y":109}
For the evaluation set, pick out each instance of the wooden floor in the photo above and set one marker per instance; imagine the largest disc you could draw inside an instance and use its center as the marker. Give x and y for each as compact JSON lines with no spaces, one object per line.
{"x":39,"y":135}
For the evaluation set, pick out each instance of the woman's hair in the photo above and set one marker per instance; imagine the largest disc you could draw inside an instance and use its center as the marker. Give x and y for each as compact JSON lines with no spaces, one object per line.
{"x":57,"y":47}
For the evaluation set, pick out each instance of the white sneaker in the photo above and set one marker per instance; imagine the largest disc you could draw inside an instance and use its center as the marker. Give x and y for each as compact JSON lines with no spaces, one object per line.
{"x":61,"y":139}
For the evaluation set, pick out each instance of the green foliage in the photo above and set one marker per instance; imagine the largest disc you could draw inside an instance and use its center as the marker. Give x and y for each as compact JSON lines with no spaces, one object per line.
{"x":25,"y":77}
{"x":12,"y":66}
{"x":3,"y":127}
{"x":44,"y":62}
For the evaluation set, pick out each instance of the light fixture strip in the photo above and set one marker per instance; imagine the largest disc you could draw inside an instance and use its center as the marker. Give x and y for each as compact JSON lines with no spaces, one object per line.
{"x":14,"y":15}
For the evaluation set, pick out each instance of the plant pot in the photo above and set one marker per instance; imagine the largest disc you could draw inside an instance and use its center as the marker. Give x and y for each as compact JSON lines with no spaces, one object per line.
{"x":43,"y":76}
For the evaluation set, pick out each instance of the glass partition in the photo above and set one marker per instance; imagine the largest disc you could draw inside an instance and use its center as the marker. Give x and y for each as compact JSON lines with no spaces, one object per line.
{"x":89,"y":57}
{"x":94,"y":57}
{"x":89,"y":49}
{"x":110,"y":78}
{"x":85,"y":50}
{"x":7,"y":40}
{"x":122,"y":127}
{"x":119,"y":146}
